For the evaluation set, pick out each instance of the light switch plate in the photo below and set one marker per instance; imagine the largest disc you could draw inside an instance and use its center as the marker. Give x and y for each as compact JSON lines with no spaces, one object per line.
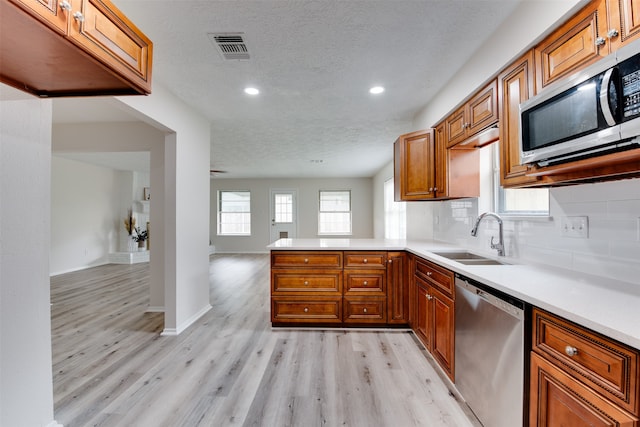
{"x":575,"y":226}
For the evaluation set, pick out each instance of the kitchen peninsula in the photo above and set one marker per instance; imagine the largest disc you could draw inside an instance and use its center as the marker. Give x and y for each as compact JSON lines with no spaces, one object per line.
{"x":604,"y":305}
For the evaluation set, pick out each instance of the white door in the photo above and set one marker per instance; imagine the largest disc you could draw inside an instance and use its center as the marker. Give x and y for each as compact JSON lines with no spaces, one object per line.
{"x":284,"y":223}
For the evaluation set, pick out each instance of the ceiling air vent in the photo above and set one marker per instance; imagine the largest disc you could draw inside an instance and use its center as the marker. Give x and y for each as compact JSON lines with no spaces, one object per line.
{"x":230,"y":45}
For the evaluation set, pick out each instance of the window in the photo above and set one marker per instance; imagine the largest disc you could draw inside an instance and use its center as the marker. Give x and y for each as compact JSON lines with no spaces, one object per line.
{"x":395,"y":214}
{"x":334,"y":216}
{"x":234,"y":213}
{"x":518,"y":201}
{"x":283,"y":207}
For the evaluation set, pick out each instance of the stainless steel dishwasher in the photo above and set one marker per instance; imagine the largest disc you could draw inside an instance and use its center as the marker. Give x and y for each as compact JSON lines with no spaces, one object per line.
{"x":489,"y":355}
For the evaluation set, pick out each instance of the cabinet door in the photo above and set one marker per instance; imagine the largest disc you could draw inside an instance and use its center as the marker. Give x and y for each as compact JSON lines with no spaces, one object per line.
{"x":573,"y":46}
{"x":483,"y":109}
{"x":442,"y":341}
{"x":441,"y":163}
{"x":422,"y":326}
{"x":515,"y":85}
{"x":47,"y":11}
{"x":414,"y":166}
{"x":397,"y":288}
{"x":559,"y":400}
{"x":456,"y":126}
{"x":624,"y":22}
{"x":109,"y":36}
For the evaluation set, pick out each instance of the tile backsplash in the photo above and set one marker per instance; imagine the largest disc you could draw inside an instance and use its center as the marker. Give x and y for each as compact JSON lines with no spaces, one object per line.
{"x":611,"y":249}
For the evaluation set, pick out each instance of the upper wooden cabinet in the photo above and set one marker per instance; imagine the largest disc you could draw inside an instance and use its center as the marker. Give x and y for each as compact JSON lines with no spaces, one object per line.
{"x":597,"y":30}
{"x":475,"y":115}
{"x":623,"y":18}
{"x":515,"y":85}
{"x":414,"y":171}
{"x":54,"y":48}
{"x":425,"y":169}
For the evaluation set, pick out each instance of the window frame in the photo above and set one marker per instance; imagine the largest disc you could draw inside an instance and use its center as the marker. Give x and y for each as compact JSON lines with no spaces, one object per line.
{"x":499,"y":196}
{"x":320,"y":212}
{"x":219,"y":213}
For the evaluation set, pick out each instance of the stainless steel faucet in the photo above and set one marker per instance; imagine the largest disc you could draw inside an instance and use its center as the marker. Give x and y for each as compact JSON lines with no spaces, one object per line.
{"x":500,"y":245}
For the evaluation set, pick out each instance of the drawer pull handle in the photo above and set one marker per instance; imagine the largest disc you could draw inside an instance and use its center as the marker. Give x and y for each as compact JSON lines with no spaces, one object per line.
{"x":429,"y":273}
{"x":306,"y":283}
{"x":306,"y":261}
{"x":306,"y":309}
{"x":365,"y":283}
{"x":365,"y":261}
{"x":364,"y":310}
{"x":570,"y":351}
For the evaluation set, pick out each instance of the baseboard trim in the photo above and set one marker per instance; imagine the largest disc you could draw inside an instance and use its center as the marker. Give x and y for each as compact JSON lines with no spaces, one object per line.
{"x":184,"y":325}
{"x":54,"y":423}
{"x":154,"y":309}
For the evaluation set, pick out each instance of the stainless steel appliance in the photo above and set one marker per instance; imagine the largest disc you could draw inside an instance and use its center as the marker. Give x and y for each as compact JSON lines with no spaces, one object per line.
{"x":489,"y":355}
{"x":593,"y":112}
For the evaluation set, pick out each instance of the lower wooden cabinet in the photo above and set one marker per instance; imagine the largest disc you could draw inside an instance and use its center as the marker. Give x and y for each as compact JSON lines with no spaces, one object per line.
{"x":557,"y":399}
{"x":434,"y":323}
{"x":579,"y":377}
{"x":350,"y":288}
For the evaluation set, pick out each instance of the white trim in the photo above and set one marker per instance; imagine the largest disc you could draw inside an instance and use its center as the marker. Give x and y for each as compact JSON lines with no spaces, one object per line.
{"x":54,"y":423}
{"x":154,"y":309}
{"x":186,"y":323}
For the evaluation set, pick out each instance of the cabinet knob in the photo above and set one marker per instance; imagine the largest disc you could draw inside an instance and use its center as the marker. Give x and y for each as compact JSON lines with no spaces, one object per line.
{"x":78,"y":16}
{"x":390,"y":261}
{"x":306,"y":261}
{"x":612,"y":33}
{"x":365,"y":283}
{"x":600,"y":41}
{"x":365,"y":261}
{"x":429,"y":297}
{"x":306,"y":283}
{"x":364,"y":310}
{"x":430,"y":189}
{"x":65,"y":5}
{"x":429,"y":273}
{"x":570,"y":351}
{"x":306,"y":309}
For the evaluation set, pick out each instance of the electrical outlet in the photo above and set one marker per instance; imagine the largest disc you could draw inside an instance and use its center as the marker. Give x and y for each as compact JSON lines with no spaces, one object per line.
{"x":575,"y":226}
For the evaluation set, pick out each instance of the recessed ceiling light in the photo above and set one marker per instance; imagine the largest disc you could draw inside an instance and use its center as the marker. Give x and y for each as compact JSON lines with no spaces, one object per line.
{"x":251,"y":91}
{"x":376,"y":90}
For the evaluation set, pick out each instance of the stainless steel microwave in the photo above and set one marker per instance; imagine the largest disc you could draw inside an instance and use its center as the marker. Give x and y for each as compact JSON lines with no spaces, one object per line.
{"x":591,"y":113}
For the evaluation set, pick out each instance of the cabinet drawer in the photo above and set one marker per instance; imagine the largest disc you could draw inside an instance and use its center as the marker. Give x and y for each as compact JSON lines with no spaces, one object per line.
{"x":435,"y":275}
{"x":306,"y":259}
{"x":303,"y":281}
{"x":365,"y":259}
{"x":591,"y":358}
{"x":365,"y":281}
{"x":365,"y":310}
{"x":306,"y":310}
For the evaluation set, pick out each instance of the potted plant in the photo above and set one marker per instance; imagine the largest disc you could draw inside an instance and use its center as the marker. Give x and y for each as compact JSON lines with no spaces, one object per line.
{"x":140,"y":237}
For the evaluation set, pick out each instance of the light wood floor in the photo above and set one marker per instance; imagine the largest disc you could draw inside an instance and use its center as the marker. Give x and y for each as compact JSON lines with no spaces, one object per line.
{"x":111,"y":367}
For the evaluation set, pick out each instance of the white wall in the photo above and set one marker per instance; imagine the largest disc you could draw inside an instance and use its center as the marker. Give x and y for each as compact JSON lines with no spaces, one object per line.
{"x":84,"y":214}
{"x":308,"y":193}
{"x":26,"y":385}
{"x":180,"y":202}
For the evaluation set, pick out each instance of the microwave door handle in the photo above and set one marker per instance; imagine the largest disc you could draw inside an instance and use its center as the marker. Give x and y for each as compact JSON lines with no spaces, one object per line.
{"x":604,"y":98}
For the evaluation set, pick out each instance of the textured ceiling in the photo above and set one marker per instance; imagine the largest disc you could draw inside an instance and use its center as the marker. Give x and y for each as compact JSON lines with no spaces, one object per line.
{"x":313,"y":62}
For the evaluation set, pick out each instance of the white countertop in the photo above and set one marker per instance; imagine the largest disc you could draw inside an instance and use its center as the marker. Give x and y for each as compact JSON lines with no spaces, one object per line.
{"x":608,"y":306}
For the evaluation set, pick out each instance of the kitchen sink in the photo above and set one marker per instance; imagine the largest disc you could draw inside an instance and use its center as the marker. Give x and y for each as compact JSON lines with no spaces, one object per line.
{"x":460,"y":255}
{"x":485,"y":261}
{"x":469,"y":258}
